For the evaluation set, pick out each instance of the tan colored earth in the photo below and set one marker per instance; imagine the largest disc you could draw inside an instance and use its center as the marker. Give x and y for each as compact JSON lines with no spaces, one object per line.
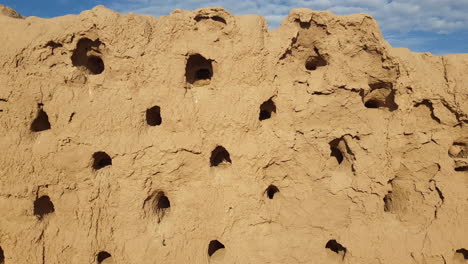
{"x":204,"y":137}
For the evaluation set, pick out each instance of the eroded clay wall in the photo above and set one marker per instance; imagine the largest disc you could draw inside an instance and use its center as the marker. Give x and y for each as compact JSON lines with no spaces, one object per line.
{"x":203,"y":137}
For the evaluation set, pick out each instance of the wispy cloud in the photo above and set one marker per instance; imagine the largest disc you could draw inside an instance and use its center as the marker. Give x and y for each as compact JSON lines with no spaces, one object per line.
{"x":440,"y":16}
{"x":395,"y":17}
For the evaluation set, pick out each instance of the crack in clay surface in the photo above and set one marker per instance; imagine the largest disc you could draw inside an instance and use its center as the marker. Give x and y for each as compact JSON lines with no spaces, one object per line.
{"x":204,"y":137}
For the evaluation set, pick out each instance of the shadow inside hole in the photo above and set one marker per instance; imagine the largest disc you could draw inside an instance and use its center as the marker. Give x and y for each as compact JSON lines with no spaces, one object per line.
{"x":315,"y":61}
{"x":381,"y":95}
{"x":271,"y":191}
{"x":462,"y":252}
{"x":198,"y":70}
{"x":459,"y":149}
{"x":43,"y":206}
{"x":101,"y":160}
{"x":335,"y":150}
{"x":95,"y":64}
{"x":103,"y":255}
{"x":153,"y":116}
{"x":2,"y":256}
{"x":388,"y":202}
{"x":214,"y":18}
{"x":203,"y":74}
{"x":41,"y":122}
{"x":214,"y":246}
{"x":266,"y":109}
{"x":161,"y":204}
{"x":374,"y":103}
{"x":303,"y":25}
{"x":218,"y":156}
{"x":86,"y":55}
{"x":336,"y":247}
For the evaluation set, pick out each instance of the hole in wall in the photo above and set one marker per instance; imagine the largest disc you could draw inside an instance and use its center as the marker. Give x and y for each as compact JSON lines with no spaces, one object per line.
{"x":459,"y":152}
{"x":388,"y":202}
{"x":163,"y":202}
{"x":101,"y":160}
{"x":153,"y":116}
{"x":271,"y":191}
{"x":95,"y":64}
{"x":315,"y":61}
{"x":87,"y":55}
{"x":2,"y":256}
{"x":219,"y":19}
{"x":267,"y":108}
{"x":43,"y":206}
{"x":336,"y":247}
{"x":303,"y":25}
{"x":219,"y":156}
{"x":335,"y":150}
{"x":103,"y":256}
{"x":198,"y":70}
{"x":158,"y":203}
{"x":214,"y":246}
{"x":381,"y":95}
{"x":199,"y":18}
{"x":459,"y":149}
{"x":461,"y":168}
{"x":41,"y":122}
{"x":462,"y":252}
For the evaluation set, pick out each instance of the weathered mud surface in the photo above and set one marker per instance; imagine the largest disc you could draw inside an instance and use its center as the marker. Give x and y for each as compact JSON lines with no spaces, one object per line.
{"x":203,"y":137}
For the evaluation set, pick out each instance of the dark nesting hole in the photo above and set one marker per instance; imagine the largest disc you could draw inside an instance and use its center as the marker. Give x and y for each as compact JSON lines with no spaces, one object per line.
{"x":214,"y":246}
{"x":163,"y":202}
{"x":303,"y":25}
{"x":43,"y":206}
{"x":101,"y":256}
{"x":219,"y":19}
{"x":95,"y":64}
{"x":41,"y":122}
{"x":198,"y":70}
{"x":101,"y":160}
{"x":203,"y":74}
{"x":266,"y":109}
{"x":214,"y":18}
{"x":336,"y":247}
{"x":335,"y":151}
{"x":2,"y":256}
{"x":459,"y":149}
{"x":219,"y":155}
{"x":153,"y":116}
{"x":461,"y":168}
{"x":271,"y":191}
{"x":388,"y":202}
{"x":160,"y":204}
{"x":381,"y":95}
{"x":463,"y":251}
{"x":315,"y":61}
{"x":373,"y":103}
{"x":86,"y":55}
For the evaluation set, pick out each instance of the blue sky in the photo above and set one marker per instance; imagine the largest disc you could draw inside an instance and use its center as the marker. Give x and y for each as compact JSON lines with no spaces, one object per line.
{"x":437,"y":26}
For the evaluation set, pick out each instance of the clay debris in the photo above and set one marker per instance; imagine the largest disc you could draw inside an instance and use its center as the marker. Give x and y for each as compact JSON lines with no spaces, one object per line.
{"x":204,"y":137}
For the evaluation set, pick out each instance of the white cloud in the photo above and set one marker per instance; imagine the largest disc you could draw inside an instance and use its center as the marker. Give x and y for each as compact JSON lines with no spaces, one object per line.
{"x":438,"y":16}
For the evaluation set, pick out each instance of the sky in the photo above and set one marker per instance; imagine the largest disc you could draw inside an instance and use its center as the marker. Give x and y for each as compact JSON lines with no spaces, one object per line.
{"x":437,"y":26}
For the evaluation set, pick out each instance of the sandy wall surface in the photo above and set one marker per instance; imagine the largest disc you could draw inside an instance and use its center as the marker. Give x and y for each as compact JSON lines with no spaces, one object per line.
{"x":204,"y":137}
